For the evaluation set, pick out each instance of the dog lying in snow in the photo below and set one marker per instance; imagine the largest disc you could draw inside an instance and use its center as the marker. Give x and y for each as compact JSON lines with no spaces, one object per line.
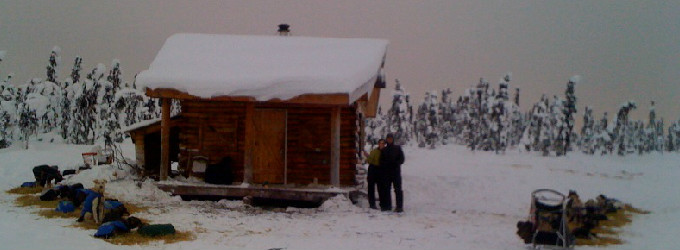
{"x":98,"y":204}
{"x":93,"y":202}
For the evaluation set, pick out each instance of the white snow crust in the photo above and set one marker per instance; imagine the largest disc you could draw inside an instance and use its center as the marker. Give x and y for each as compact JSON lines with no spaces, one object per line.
{"x":454,"y":198}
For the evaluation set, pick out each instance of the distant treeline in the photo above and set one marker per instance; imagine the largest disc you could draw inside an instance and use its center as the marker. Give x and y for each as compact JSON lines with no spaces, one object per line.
{"x":485,"y":118}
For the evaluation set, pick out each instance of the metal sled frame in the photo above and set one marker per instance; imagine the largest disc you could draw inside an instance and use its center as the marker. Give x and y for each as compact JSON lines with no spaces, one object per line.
{"x":540,"y":203}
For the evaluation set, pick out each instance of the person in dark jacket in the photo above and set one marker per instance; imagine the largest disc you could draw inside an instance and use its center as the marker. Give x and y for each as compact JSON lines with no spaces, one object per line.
{"x":374,"y":173}
{"x":44,"y":174}
{"x":391,"y":159}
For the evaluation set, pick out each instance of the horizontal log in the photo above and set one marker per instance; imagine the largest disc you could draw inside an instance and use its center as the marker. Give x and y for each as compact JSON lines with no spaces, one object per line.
{"x":213,"y":104}
{"x":257,"y":192}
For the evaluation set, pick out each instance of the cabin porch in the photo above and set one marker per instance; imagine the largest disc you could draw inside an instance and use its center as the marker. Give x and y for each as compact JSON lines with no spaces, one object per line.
{"x":309,"y":195}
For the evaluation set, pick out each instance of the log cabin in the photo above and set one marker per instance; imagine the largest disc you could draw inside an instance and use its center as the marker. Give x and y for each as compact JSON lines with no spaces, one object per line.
{"x":286,"y":111}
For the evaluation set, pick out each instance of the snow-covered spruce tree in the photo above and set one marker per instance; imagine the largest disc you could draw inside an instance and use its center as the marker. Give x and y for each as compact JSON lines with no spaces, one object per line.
{"x":556,"y":127}
{"x":659,"y":136}
{"x":176,"y":107}
{"x":114,"y":76}
{"x":428,"y":121}
{"x":7,"y":89}
{"x":674,"y":137}
{"x":670,"y":146}
{"x":112,"y":132}
{"x":7,"y":83}
{"x":460,"y":119}
{"x":151,"y":109}
{"x":421,"y":121}
{"x":640,"y":137}
{"x":127,"y":102}
{"x":157,"y":108}
{"x":487,"y":96}
{"x":587,"y":142}
{"x":530,"y":135}
{"x":502,"y":108}
{"x":75,"y":71}
{"x":621,"y":132}
{"x":651,"y":131}
{"x":434,"y":120}
{"x":52,"y":87}
{"x":75,"y":127}
{"x":5,"y":117}
{"x":5,"y":128}
{"x":8,"y":107}
{"x":103,"y":94}
{"x":446,"y":109}
{"x":517,"y":121}
{"x":644,"y":140}
{"x":28,"y":123}
{"x":52,"y":67}
{"x":471,"y":130}
{"x":71,"y":88}
{"x":569,"y":110}
{"x":374,"y":129}
{"x":495,"y":115}
{"x":108,"y":125}
{"x":398,"y":116}
{"x":84,"y":125}
{"x":539,"y":128}
{"x":45,"y":101}
{"x":478,"y":109}
{"x":65,"y":109}
{"x":86,"y":121}
{"x":603,"y":136}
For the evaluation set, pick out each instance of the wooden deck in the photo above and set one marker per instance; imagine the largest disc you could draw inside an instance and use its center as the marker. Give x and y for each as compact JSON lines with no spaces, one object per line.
{"x":237,"y":191}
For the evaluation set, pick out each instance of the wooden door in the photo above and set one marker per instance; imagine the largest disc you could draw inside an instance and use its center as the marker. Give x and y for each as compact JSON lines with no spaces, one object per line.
{"x":269,"y":145}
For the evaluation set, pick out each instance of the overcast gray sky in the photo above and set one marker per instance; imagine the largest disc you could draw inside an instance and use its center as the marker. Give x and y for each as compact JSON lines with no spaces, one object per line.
{"x":624,"y":50}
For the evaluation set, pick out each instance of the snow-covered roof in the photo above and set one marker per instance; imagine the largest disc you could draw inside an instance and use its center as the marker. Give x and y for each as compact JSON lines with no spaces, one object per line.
{"x":265,"y":67}
{"x":140,"y":124}
{"x":146,"y":123}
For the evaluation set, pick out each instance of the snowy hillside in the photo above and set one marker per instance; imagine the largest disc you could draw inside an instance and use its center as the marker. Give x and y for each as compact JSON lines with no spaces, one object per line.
{"x":454,"y":199}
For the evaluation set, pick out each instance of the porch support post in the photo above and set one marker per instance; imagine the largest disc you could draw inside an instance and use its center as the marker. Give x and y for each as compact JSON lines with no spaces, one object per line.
{"x":248,"y":144}
{"x":335,"y":146}
{"x":372,"y":105}
{"x":165,"y":138}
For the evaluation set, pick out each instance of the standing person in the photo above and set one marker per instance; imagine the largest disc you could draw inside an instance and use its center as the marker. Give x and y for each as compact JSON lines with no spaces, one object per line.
{"x":374,"y":173}
{"x":391,"y":159}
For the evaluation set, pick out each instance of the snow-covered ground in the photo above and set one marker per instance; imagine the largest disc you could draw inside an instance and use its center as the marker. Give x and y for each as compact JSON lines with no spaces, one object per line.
{"x":454,"y":199}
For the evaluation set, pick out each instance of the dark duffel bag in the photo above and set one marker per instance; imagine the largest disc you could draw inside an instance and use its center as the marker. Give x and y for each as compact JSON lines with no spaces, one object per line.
{"x":49,"y":195}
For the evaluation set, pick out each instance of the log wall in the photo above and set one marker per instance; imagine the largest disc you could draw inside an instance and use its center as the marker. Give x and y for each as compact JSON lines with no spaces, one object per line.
{"x":216,"y":130}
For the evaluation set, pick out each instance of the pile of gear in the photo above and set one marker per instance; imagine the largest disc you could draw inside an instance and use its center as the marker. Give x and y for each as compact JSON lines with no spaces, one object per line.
{"x":110,"y":215}
{"x":557,"y":220}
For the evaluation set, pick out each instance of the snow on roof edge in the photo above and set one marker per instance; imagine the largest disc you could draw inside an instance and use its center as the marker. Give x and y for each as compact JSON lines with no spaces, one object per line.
{"x":266,"y":67}
{"x":145,"y":123}
{"x":140,"y":124}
